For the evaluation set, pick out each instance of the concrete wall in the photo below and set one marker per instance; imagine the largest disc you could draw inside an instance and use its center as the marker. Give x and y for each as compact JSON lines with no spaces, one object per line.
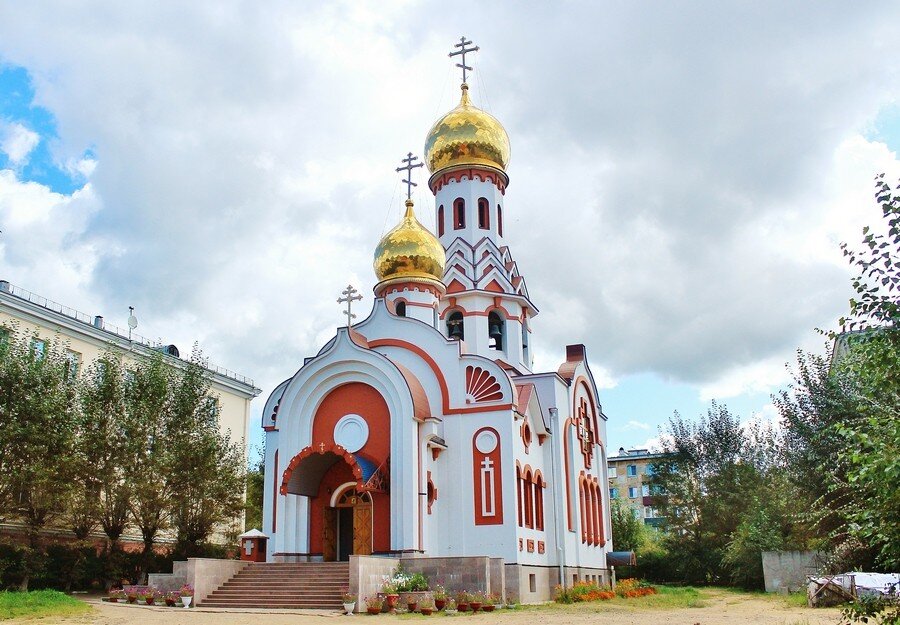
{"x":367,"y":573}
{"x":204,"y":574}
{"x":471,"y":573}
{"x":787,"y":570}
{"x":169,"y":581}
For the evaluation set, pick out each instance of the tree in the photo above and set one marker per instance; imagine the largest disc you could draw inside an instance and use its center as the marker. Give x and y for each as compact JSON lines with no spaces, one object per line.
{"x":256,"y":476}
{"x":628,"y":532}
{"x":37,"y":421}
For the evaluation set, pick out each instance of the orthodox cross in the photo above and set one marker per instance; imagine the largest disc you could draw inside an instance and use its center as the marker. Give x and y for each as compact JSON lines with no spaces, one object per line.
{"x":350,"y":296}
{"x":584,"y":432}
{"x":408,"y":168}
{"x":462,"y":51}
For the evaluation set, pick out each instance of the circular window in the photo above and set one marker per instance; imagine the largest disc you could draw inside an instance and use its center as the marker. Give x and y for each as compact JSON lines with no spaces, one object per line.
{"x":486,"y":441}
{"x":351,"y":432}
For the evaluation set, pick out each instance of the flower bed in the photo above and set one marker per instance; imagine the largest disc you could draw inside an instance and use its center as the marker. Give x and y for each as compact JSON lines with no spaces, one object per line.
{"x":590,"y":591}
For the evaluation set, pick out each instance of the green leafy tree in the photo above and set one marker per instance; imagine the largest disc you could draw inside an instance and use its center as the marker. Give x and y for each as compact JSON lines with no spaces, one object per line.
{"x":256,"y":476}
{"x":756,"y":533}
{"x":628,"y":532}
{"x":37,"y":421}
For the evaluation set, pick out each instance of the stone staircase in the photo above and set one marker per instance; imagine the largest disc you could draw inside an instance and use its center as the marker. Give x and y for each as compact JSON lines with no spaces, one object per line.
{"x":313,"y":585}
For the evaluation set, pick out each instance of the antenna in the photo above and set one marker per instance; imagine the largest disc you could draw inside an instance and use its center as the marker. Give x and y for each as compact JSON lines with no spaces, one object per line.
{"x":132,"y":321}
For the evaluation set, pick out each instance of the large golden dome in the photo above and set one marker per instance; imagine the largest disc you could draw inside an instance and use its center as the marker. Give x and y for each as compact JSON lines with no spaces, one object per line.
{"x":466,"y":136}
{"x":409,"y":252}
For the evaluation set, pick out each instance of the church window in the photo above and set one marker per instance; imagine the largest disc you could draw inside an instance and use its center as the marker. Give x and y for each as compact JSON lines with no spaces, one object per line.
{"x":499,"y":220}
{"x":484,"y":214}
{"x":495,"y":330}
{"x":519,"y":487}
{"x":432,"y":493}
{"x":525,"y":354}
{"x":538,"y":502}
{"x":459,"y":213}
{"x":529,"y":500}
{"x":400,"y":307}
{"x":455,"y":326}
{"x":582,"y":497}
{"x":440,"y":220}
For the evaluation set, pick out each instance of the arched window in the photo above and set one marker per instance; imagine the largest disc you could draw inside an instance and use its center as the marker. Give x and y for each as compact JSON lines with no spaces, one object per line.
{"x":499,"y":220}
{"x":484,"y":214}
{"x":455,"y":328}
{"x":440,"y":220}
{"x":459,"y":213}
{"x":526,"y":355}
{"x":600,"y":537}
{"x":529,"y":499}
{"x":583,"y":501}
{"x":538,"y":502}
{"x":400,"y":307}
{"x":518,"y":491}
{"x":589,"y":512}
{"x":496,"y":330}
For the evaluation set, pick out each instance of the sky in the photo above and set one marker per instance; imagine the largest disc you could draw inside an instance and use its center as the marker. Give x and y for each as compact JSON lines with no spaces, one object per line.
{"x":682,"y":174}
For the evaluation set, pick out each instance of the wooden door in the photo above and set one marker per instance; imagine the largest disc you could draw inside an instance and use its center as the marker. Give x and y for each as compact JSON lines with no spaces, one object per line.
{"x":362,"y":530}
{"x":329,"y":539}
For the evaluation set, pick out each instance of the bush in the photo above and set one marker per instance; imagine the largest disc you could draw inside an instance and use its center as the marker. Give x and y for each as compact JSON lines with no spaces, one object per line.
{"x":583,"y":591}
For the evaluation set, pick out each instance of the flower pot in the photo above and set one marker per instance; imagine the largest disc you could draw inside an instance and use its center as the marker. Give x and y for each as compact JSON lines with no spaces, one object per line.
{"x":462,"y":607}
{"x":440,"y":603}
{"x":186,"y":601}
{"x":411,"y":606}
{"x":488,"y":608}
{"x":132,"y":599}
{"x":348,"y":607}
{"x":373,"y":610}
{"x":149,"y":600}
{"x":475,"y":605}
{"x":426,"y":611}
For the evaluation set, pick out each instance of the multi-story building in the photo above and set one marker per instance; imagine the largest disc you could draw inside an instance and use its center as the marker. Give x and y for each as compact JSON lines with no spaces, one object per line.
{"x":629,"y":476}
{"x":87,"y":337}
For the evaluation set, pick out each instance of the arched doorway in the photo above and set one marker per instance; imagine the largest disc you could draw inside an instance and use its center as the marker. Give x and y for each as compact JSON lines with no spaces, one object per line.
{"x":347,"y":528}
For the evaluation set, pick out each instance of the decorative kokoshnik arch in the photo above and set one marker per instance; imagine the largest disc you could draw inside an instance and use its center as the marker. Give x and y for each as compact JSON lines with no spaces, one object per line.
{"x":314,"y":462}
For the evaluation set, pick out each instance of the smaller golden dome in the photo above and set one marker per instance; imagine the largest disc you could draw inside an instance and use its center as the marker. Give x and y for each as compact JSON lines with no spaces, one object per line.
{"x":466,"y":136}
{"x":409,"y":252}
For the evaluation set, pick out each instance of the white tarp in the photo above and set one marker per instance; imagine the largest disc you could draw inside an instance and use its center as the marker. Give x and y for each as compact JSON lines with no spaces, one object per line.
{"x":866,"y":583}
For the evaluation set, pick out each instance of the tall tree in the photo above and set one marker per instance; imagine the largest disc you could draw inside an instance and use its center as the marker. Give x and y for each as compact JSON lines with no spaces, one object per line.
{"x":37,"y":420}
{"x":256,"y":476}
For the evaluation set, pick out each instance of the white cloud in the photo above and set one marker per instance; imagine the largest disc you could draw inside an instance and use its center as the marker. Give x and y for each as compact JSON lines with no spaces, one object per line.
{"x":17,"y":142}
{"x":638,"y":425}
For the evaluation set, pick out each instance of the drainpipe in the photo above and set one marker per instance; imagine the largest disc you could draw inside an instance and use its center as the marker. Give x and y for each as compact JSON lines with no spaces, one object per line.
{"x":557,"y":491}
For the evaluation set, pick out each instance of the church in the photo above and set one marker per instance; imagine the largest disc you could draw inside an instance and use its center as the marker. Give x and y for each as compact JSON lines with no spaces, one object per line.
{"x":422,"y":431}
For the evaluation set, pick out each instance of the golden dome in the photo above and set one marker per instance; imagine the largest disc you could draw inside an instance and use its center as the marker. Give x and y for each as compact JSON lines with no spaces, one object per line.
{"x":466,"y":136}
{"x":409,"y":252}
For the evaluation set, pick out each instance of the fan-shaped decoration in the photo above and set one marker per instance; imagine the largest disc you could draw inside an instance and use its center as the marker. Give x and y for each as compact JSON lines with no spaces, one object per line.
{"x":481,"y":386}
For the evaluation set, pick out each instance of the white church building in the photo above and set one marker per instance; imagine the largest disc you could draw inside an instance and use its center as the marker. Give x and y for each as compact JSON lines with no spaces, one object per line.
{"x":422,"y":431}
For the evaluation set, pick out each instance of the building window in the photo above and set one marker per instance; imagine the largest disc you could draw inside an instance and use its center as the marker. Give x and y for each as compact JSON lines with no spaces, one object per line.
{"x":495,"y":330}
{"x":400,"y":307}
{"x":648,"y":470}
{"x":459,"y":213}
{"x":613,"y":493}
{"x":484,"y":214}
{"x":499,"y":220}
{"x":636,"y":512}
{"x":645,"y":490}
{"x":73,"y":364}
{"x":633,"y":492}
{"x":519,"y":495}
{"x":612,"y":472}
{"x":40,"y":347}
{"x":525,"y":354}
{"x":455,"y":326}
{"x":631,"y":470}
{"x":529,"y":499}
{"x":538,"y":502}
{"x":648,"y":512}
{"x":532,"y":582}
{"x":440,"y":220}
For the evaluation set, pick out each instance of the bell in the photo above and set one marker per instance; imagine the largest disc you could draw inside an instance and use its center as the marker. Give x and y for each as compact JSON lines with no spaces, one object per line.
{"x":495,"y":332}
{"x":456,"y":331}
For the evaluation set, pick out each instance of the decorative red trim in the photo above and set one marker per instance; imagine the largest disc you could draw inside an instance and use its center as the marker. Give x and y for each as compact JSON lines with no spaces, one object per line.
{"x":487,"y":469}
{"x":321,"y":448}
{"x":471,"y":173}
{"x":445,"y":394}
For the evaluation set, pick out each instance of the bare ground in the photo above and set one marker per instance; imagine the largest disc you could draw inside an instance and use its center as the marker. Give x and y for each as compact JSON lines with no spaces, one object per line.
{"x":719,"y":608}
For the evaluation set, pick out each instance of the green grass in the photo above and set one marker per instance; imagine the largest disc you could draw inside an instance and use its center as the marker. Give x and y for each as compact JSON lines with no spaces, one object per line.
{"x":38,"y":604}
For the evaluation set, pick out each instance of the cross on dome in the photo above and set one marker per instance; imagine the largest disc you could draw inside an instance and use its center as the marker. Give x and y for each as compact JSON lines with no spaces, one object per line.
{"x":408,"y":168}
{"x":463,"y":50}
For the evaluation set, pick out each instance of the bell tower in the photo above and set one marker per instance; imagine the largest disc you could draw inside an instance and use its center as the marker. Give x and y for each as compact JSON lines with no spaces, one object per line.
{"x":486,"y":305}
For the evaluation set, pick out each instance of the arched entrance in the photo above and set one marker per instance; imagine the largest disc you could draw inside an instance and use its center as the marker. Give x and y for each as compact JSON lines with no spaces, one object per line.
{"x":347,"y":527}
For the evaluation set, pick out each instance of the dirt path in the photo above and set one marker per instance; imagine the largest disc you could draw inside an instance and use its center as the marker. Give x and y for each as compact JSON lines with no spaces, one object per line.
{"x":721,"y":608}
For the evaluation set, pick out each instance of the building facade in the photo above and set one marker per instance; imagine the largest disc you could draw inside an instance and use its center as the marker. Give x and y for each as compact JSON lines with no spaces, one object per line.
{"x":422,"y":430}
{"x":629,"y":482}
{"x":86,"y":338}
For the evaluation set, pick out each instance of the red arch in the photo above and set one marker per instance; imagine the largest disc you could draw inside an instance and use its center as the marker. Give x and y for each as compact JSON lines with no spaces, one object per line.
{"x":321,"y":448}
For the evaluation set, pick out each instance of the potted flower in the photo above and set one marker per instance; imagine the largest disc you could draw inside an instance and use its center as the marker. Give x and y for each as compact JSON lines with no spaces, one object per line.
{"x":149,"y":595}
{"x":450,"y":606}
{"x":374,"y":605}
{"x":187,"y":595}
{"x":348,"y":599}
{"x":389,"y":588}
{"x":490,"y":602}
{"x":115,"y":595}
{"x":426,"y":606}
{"x":462,"y":601}
{"x":131,"y":593}
{"x":440,"y":597}
{"x":411,"y":603}
{"x":476,"y":601}
{"x":171,"y":598}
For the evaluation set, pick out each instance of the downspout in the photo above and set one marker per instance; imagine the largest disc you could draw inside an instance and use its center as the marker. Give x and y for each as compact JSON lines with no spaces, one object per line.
{"x":557,"y":490}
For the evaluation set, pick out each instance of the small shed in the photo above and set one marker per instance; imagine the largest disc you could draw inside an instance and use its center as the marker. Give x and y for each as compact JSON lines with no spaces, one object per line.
{"x":253,"y":546}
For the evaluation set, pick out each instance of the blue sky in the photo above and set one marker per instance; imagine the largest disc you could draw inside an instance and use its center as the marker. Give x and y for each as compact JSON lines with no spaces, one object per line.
{"x":706,"y":216}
